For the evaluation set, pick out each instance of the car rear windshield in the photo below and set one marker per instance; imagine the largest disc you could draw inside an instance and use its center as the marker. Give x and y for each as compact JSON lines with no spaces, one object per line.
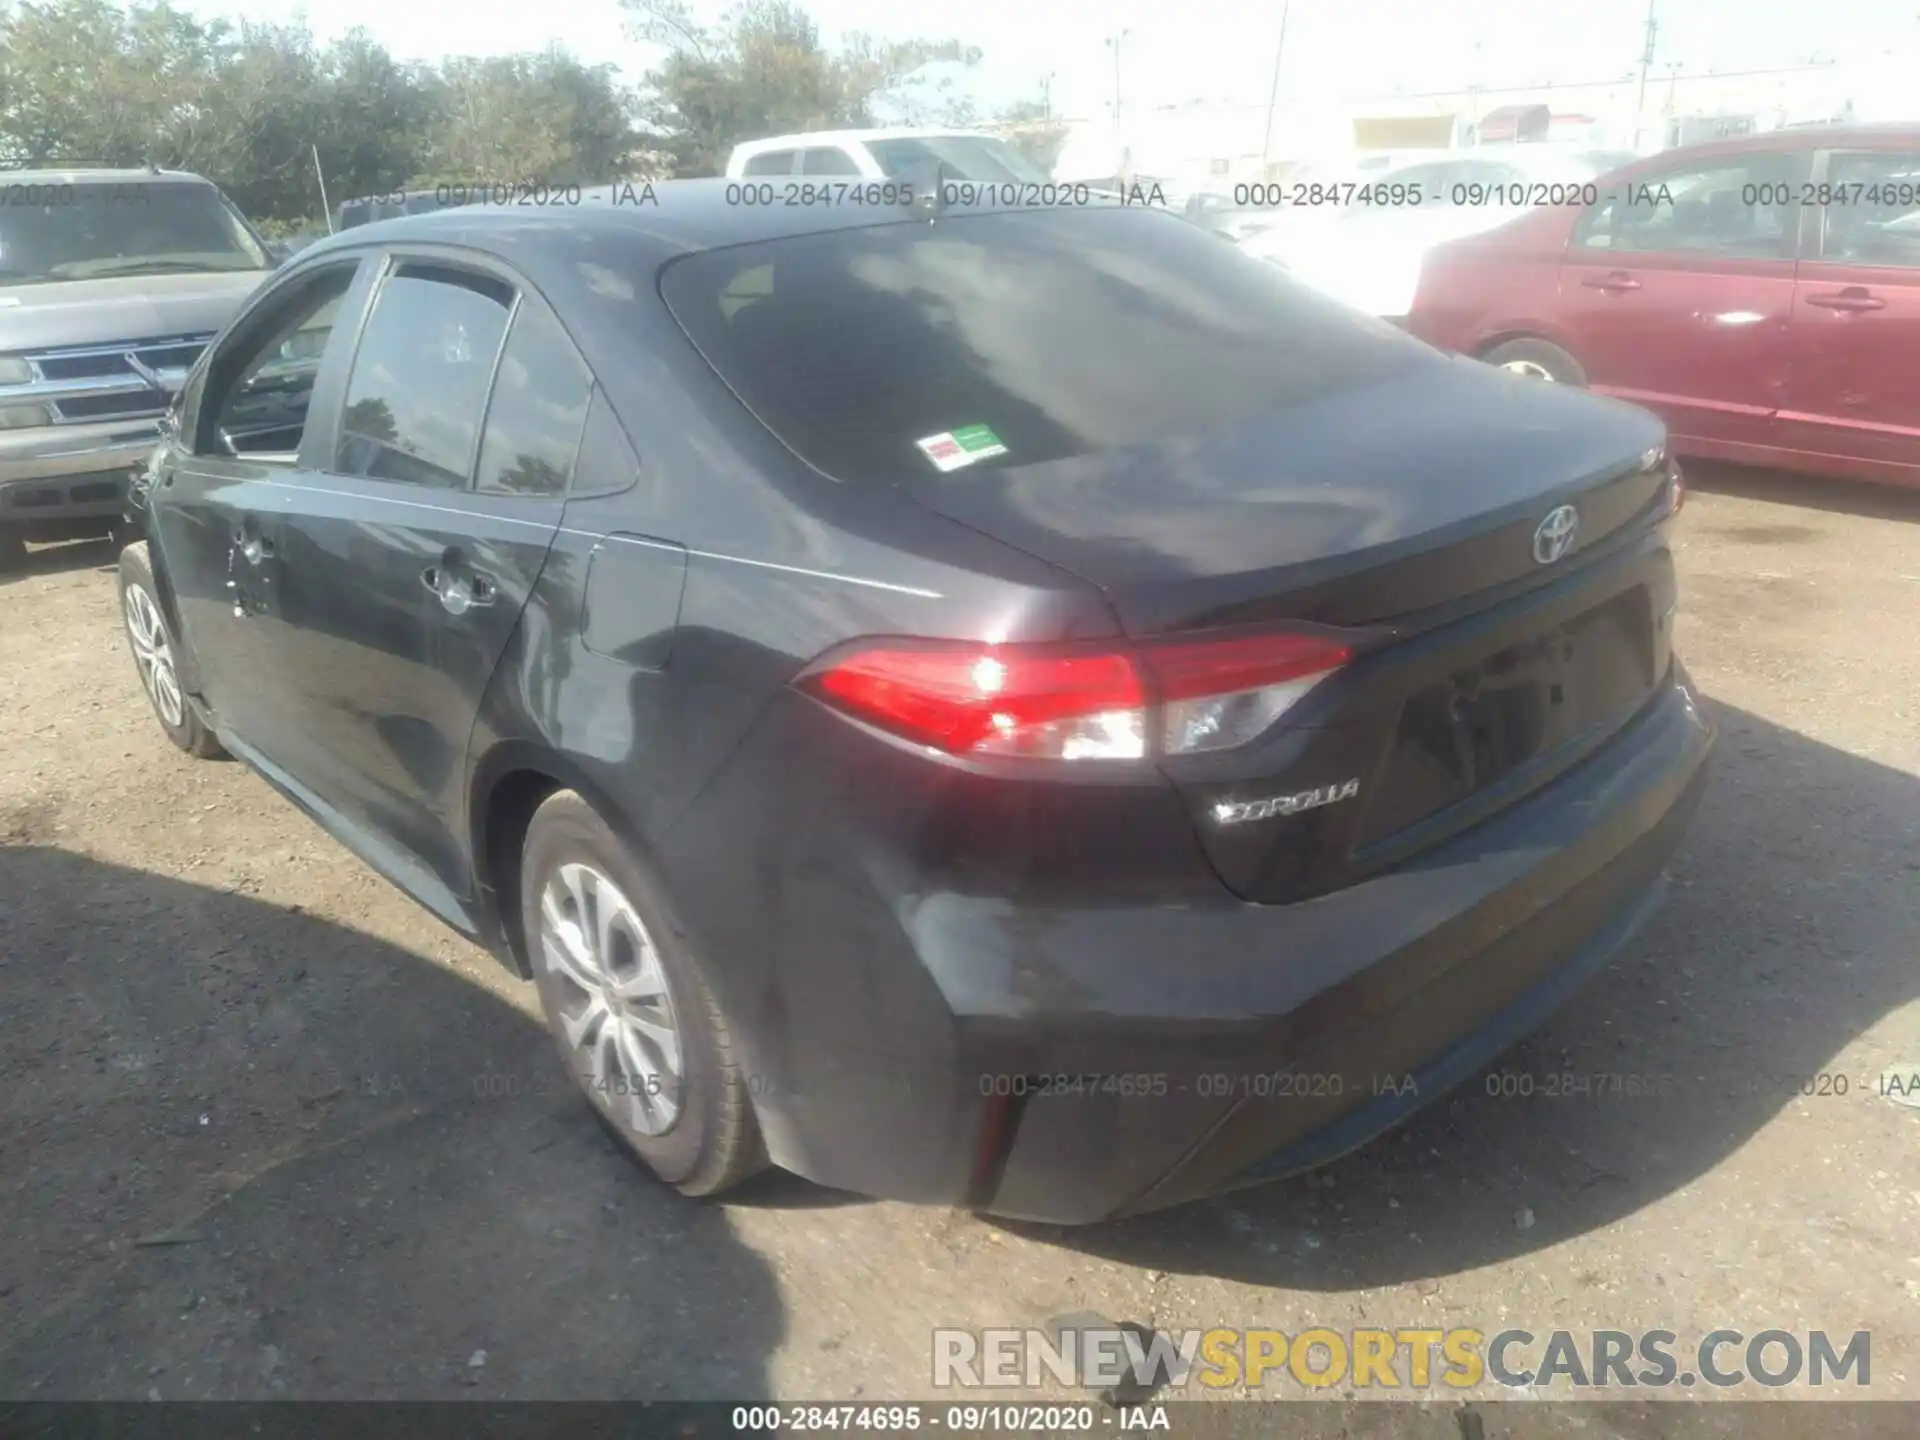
{"x":966,"y":157}
{"x":1029,"y":336}
{"x":52,"y":231}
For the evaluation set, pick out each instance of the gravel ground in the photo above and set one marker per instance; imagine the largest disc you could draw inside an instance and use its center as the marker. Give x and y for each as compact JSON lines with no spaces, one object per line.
{"x":268,"y":1130}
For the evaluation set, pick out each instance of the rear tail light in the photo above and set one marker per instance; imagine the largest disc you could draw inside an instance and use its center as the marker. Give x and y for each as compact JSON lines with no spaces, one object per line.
{"x":1076,"y":702}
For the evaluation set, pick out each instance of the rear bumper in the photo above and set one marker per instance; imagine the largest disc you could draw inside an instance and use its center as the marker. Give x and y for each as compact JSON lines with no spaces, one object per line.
{"x":70,"y":472}
{"x":1070,"y":1062}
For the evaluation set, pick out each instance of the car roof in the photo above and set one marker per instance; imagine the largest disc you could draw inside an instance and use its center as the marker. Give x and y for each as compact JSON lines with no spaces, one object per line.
{"x":687,"y":216}
{"x":100,"y":175}
{"x":1795,"y":137}
{"x":857,"y":137}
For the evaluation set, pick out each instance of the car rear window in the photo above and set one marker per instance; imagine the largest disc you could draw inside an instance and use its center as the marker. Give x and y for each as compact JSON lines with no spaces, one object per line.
{"x":1056,"y":333}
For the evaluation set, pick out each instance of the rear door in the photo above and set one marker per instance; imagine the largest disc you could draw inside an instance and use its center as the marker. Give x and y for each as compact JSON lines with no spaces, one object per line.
{"x":1855,"y":389}
{"x":1677,"y":290}
{"x":220,"y":486}
{"x":406,"y":565}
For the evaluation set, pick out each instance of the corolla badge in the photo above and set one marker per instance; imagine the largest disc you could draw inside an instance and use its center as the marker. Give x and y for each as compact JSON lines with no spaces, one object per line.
{"x":1553,"y":537}
{"x":1238,"y":812}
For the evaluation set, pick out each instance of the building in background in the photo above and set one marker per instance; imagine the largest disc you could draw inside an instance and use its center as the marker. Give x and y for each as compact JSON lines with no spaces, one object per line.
{"x":1208,"y":144}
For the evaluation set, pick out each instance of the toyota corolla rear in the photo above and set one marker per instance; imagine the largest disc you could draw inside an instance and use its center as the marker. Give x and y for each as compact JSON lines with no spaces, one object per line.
{"x":1368,"y":749}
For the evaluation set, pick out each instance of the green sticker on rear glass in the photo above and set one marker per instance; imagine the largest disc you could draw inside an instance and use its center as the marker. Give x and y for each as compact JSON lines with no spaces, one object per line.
{"x":953,"y":449}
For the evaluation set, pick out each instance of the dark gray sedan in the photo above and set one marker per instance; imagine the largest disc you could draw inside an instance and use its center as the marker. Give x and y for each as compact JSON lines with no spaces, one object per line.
{"x":1027,"y":709}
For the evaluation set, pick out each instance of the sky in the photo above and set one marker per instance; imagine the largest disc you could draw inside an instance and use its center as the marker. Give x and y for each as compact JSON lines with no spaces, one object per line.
{"x":1179,"y":50}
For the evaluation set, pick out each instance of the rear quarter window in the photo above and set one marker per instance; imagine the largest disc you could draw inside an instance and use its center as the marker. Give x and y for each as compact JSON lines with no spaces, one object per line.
{"x":1058,"y":333}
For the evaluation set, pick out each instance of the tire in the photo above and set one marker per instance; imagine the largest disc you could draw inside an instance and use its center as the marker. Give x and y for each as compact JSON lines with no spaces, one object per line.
{"x":1539,"y":360}
{"x":695,"y":1129}
{"x":153,"y":650}
{"x":13,"y":551}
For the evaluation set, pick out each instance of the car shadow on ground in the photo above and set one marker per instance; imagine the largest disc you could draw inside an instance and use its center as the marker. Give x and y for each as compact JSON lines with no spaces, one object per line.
{"x":1792,"y":926}
{"x":44,"y":560}
{"x":245,"y":1152}
{"x":1807,"y":492}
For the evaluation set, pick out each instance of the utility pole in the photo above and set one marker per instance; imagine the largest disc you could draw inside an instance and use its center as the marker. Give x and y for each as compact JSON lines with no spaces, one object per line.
{"x":1273,"y":94}
{"x":1113,"y":44}
{"x":1646,"y":64}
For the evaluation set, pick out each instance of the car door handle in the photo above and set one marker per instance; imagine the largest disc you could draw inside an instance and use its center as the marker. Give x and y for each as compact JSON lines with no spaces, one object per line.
{"x":456,"y":592}
{"x":252,"y":545}
{"x":1853,"y":298}
{"x":1618,"y":283}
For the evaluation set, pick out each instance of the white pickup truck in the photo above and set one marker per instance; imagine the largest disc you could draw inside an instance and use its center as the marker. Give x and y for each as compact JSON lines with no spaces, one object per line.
{"x":883,"y":155}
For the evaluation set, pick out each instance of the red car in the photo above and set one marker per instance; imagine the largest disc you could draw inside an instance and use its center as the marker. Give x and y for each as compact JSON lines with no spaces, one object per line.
{"x":1762,"y":295}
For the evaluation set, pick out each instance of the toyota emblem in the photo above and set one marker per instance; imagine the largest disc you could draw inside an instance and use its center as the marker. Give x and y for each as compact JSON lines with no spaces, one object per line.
{"x":1554,"y":535}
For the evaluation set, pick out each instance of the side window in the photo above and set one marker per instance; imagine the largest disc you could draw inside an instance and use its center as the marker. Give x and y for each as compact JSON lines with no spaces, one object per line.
{"x":827,"y":161}
{"x":1872,"y":210}
{"x":607,"y":462}
{"x":771,"y":162}
{"x":256,"y":405}
{"x":539,"y":404}
{"x":1741,"y":206}
{"x":419,"y":380}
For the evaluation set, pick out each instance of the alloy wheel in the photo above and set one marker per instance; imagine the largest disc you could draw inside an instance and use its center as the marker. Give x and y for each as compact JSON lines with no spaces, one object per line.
{"x":620,"y":1022}
{"x":1532,"y":369}
{"x":153,"y":653}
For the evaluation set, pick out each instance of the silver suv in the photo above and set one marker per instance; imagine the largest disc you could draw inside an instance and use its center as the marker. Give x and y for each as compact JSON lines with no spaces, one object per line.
{"x":111,"y":284}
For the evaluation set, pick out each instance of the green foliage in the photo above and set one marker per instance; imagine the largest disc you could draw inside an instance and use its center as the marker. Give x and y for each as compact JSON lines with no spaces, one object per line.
{"x":763,"y":70}
{"x":249,"y":104}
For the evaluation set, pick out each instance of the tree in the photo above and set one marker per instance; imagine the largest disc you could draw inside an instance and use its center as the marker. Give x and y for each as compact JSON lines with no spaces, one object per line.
{"x":542,"y":119}
{"x":248,"y":106}
{"x":1029,"y":127}
{"x":369,"y":128}
{"x":763,"y":70}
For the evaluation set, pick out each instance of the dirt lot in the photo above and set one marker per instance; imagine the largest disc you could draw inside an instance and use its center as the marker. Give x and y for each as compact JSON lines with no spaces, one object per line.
{"x":266,"y":1129}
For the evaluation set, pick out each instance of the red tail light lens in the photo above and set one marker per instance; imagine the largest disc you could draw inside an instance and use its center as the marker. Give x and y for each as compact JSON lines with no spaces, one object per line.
{"x":1179,"y":696}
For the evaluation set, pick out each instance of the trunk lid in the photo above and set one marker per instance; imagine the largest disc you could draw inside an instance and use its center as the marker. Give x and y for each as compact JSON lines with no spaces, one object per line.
{"x":1355,"y":508}
{"x":1407,"y":509}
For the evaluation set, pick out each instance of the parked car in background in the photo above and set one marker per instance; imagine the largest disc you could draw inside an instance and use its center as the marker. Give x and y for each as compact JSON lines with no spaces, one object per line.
{"x":368,"y":208}
{"x":285,"y":247}
{"x":1363,"y":239}
{"x":882,"y":155}
{"x":1159,"y":192}
{"x":1761,"y":294}
{"x":111,"y":284}
{"x":1220,"y":214}
{"x":953,"y":710}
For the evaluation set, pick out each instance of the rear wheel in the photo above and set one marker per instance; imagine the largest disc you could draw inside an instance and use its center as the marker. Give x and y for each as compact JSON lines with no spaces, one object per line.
{"x":153,"y":653}
{"x":630,"y":1006}
{"x":1537,"y":360}
{"x":13,"y":550}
